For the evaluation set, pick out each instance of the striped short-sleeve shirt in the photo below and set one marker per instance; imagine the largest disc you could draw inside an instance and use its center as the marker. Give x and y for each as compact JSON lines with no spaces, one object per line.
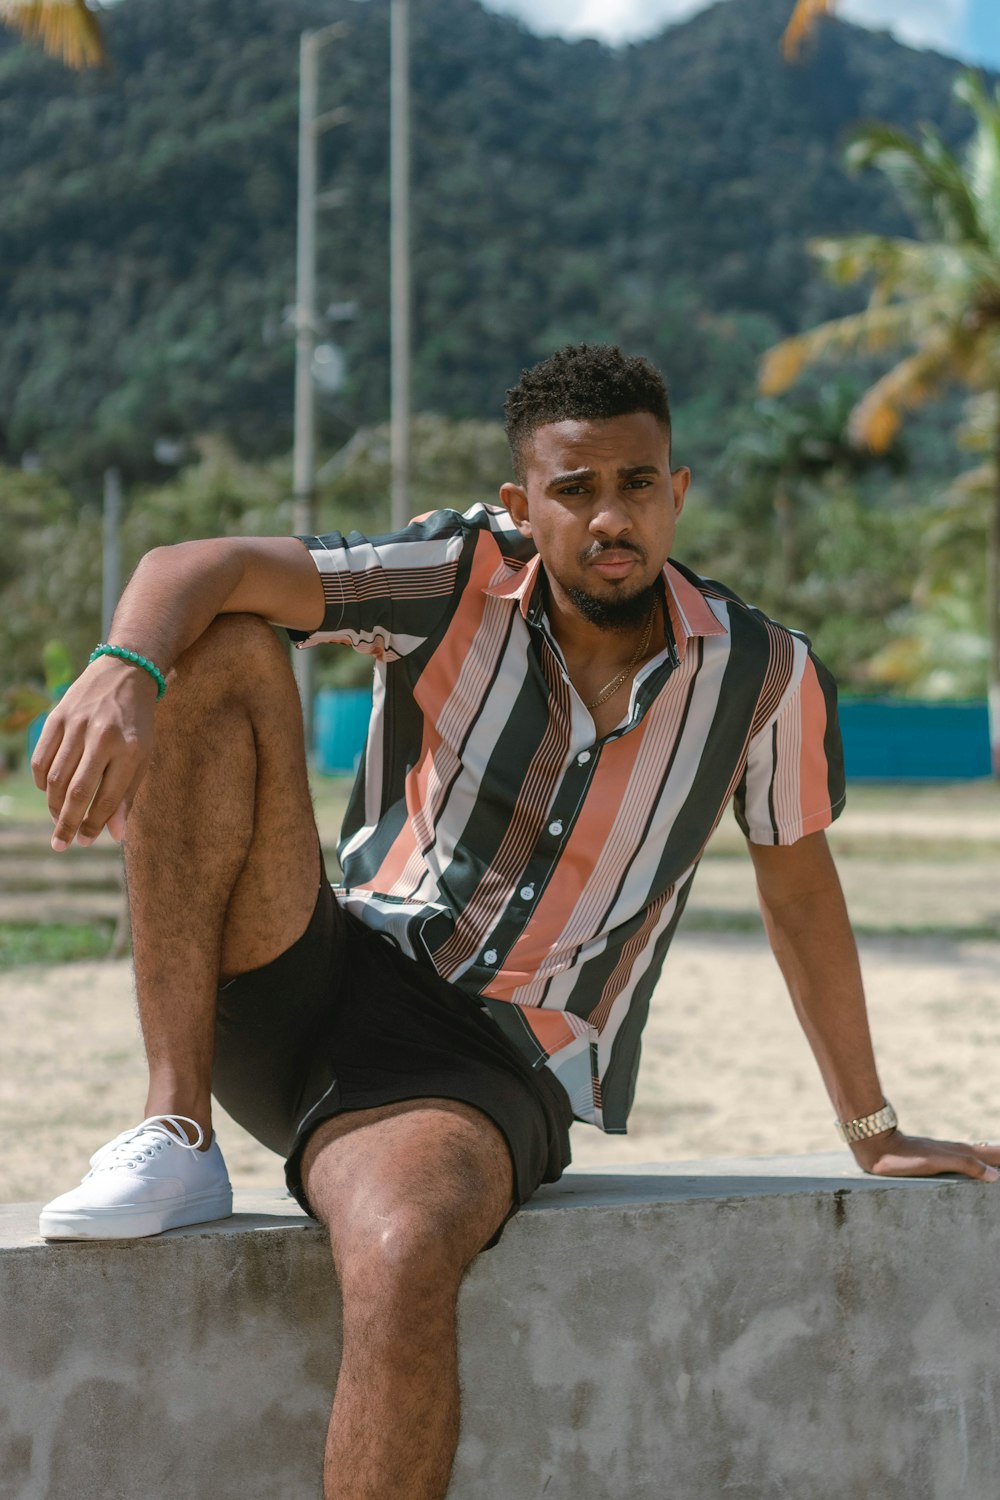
{"x":499,"y":840}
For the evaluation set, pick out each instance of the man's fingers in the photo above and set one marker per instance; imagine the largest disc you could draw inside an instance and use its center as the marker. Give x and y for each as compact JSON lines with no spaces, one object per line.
{"x":111,"y":797}
{"x":92,"y":795}
{"x":62,"y":775}
{"x":989,"y":1154}
{"x":116,"y":822}
{"x":46,"y":750}
{"x":72,"y":812}
{"x":975,"y":1166}
{"x":980,"y":1160}
{"x":928,"y":1158}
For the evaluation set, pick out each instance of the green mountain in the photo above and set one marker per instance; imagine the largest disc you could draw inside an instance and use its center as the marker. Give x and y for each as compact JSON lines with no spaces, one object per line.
{"x":660,"y":195}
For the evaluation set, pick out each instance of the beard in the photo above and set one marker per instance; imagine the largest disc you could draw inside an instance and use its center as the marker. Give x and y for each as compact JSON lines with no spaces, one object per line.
{"x":623,"y":614}
{"x":620,"y":611}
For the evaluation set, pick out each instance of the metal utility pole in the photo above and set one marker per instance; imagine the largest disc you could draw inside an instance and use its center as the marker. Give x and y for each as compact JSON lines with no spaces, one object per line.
{"x":111,"y":567}
{"x":399,"y":236}
{"x":304,"y":452}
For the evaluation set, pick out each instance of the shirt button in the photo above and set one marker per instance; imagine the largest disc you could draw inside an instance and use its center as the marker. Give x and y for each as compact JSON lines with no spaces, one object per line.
{"x":583,"y":758}
{"x":490,"y":956}
{"x":555,"y":828}
{"x":527,"y":893}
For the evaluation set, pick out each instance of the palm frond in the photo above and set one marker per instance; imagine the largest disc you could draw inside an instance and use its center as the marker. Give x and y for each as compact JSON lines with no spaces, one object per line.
{"x":926,"y":175}
{"x":975,"y":482}
{"x":66,"y":29}
{"x":781,"y":366}
{"x":977,"y":433}
{"x":982,"y":156}
{"x":878,"y":416}
{"x":905,"y":267}
{"x":803,"y":21}
{"x":876,"y":329}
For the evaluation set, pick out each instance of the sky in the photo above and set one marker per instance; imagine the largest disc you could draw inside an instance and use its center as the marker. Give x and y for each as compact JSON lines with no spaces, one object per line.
{"x":969,"y":29}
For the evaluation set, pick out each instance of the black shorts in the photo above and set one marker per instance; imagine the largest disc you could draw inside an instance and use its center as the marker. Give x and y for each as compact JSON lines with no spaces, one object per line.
{"x":343,"y":1020}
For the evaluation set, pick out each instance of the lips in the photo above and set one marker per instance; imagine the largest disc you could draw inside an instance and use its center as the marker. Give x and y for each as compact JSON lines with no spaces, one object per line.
{"x":615,"y":564}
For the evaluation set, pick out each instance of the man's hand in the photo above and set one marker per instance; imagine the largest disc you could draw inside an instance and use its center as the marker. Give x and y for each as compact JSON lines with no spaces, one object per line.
{"x":808,"y":927}
{"x":894,"y":1154}
{"x":93,"y":751}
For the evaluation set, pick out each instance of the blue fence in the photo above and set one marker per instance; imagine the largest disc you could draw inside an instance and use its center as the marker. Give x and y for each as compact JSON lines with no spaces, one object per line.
{"x":340,"y":727}
{"x":884,"y":739}
{"x":895,"y":739}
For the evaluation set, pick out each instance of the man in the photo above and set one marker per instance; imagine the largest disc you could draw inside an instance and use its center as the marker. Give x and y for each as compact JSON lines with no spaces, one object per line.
{"x":561,"y":717}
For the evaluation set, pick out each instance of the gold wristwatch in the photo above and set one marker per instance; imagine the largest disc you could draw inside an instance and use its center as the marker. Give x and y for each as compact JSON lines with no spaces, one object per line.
{"x":868,"y":1125}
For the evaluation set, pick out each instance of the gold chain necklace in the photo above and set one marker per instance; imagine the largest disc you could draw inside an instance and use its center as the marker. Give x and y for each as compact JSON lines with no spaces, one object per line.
{"x":610,"y":688}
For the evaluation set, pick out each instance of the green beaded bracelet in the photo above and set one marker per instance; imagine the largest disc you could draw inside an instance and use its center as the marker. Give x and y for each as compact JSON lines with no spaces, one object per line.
{"x":138,"y":661}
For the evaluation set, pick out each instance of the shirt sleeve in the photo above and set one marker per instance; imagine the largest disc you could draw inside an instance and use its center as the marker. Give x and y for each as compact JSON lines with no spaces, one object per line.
{"x":386,"y":595}
{"x":794,"y":780}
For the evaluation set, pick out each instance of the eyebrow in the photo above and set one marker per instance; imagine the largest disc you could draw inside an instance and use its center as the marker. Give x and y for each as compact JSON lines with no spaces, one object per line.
{"x":631,"y":472}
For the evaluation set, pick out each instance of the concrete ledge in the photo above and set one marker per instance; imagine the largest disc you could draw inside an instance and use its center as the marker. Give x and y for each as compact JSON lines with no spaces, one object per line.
{"x":780,"y":1327}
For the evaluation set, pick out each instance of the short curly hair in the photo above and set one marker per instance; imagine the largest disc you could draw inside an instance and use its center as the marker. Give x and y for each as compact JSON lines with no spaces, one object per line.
{"x":581,"y":382}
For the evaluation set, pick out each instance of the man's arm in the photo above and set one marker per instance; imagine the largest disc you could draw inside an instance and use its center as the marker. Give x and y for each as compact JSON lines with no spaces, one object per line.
{"x":810,"y":935}
{"x":93,"y":751}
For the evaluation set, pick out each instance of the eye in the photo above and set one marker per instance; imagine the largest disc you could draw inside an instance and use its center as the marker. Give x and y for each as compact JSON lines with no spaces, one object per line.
{"x":638,"y":484}
{"x":572,"y":489}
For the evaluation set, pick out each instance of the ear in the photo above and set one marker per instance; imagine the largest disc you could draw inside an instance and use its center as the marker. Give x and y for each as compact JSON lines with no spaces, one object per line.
{"x":679,"y":480}
{"x":514,"y":500}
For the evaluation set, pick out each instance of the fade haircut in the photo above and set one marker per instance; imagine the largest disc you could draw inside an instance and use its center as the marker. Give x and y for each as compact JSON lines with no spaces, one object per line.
{"x":581,"y":383}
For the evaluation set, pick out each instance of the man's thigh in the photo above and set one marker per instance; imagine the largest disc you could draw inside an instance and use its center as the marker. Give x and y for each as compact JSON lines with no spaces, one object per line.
{"x":423,"y":1172}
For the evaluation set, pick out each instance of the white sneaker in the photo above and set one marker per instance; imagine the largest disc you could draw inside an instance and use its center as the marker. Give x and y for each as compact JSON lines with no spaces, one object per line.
{"x":146,"y":1180}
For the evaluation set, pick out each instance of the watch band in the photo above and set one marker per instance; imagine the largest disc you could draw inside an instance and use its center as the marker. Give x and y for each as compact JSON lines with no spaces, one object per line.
{"x":866,"y":1126}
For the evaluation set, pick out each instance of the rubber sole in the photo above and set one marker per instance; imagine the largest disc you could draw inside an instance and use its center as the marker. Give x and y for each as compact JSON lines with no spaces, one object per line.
{"x":134,"y":1221}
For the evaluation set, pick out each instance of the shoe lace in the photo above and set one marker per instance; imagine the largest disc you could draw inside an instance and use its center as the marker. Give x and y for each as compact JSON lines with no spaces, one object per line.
{"x":143,"y":1141}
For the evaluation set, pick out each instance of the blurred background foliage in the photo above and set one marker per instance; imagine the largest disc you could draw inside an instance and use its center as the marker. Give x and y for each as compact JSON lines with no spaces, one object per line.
{"x":661,"y":195}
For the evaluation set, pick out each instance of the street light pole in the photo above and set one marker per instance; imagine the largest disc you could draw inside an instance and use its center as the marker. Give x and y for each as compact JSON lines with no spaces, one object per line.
{"x":111,"y":560}
{"x":304,"y":450}
{"x":399,"y":236}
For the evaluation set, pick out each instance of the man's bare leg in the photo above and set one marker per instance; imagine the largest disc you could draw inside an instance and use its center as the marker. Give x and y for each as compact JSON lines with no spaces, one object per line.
{"x":221,"y":851}
{"x":410,"y":1193}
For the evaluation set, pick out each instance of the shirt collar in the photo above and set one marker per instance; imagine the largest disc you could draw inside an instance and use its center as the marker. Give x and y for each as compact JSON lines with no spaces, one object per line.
{"x":520,"y":585}
{"x":689,"y":610}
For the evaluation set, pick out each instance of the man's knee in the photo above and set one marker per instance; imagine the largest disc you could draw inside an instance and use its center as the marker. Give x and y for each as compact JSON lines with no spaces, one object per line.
{"x":407,"y":1249}
{"x":411,"y":1191}
{"x":235,"y":656}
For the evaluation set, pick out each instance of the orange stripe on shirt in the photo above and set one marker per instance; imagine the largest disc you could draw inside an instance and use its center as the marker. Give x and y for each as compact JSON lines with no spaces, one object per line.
{"x":814,"y":771}
{"x":402,"y":868}
{"x":576,"y":864}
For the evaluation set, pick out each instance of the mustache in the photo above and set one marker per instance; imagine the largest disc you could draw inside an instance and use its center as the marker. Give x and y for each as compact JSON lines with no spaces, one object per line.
{"x":598,"y":548}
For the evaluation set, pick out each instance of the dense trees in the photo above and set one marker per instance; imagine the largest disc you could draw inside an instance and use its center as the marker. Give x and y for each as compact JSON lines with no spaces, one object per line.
{"x":660,"y":194}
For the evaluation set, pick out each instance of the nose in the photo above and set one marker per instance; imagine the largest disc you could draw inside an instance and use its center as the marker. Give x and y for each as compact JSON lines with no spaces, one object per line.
{"x":610,"y":517}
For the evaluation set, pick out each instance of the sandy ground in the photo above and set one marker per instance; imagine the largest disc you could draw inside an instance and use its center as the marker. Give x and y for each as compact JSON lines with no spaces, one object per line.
{"x":725,"y":1071}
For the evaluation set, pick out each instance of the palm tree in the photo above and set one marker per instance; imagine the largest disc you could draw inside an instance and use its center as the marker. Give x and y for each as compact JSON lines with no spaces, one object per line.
{"x":67,"y":29}
{"x":936,"y":298}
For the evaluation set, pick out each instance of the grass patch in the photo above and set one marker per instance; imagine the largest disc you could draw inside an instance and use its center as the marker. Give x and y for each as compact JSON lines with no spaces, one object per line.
{"x":53,"y":942}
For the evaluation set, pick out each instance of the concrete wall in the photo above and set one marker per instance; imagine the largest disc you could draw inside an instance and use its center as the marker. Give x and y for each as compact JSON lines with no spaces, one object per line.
{"x":756,"y":1330}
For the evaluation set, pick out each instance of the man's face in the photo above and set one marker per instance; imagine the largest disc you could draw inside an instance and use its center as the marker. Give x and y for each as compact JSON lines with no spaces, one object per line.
{"x":601,"y":505}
